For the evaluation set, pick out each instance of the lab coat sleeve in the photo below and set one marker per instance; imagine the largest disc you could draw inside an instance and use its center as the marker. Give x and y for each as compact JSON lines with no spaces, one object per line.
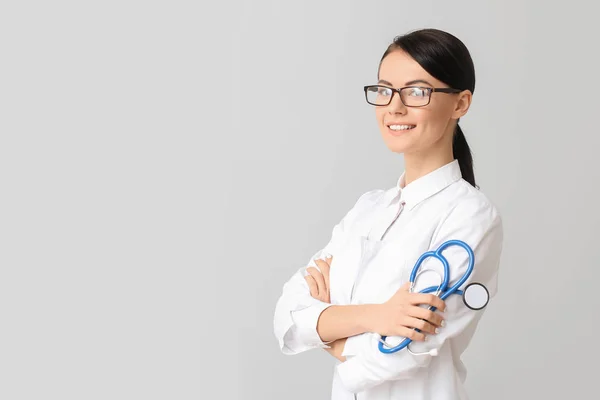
{"x":480,"y":226}
{"x":296,"y":311}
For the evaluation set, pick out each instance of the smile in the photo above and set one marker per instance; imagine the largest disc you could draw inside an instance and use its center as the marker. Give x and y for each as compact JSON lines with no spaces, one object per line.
{"x":401,"y":127}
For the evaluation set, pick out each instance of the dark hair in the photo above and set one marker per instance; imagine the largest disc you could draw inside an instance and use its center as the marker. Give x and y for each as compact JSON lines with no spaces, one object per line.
{"x":447,"y":59}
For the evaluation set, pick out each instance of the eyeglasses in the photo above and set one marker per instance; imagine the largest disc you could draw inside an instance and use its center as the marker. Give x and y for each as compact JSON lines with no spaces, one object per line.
{"x":411,"y":96}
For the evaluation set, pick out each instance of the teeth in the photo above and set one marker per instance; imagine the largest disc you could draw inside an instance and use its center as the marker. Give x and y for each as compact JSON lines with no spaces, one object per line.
{"x":401,"y":127}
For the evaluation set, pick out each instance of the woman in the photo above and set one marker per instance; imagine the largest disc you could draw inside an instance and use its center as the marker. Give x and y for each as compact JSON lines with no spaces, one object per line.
{"x":355,"y":289}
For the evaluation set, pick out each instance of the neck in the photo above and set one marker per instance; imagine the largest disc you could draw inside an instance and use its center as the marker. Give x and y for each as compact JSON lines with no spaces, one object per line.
{"x":417,"y":165}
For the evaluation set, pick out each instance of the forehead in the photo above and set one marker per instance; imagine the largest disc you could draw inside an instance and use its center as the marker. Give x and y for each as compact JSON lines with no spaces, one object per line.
{"x":399,"y":68}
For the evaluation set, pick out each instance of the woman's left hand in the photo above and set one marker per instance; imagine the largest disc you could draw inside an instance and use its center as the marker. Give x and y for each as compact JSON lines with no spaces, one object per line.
{"x":336,"y":348}
{"x":318,"y":282}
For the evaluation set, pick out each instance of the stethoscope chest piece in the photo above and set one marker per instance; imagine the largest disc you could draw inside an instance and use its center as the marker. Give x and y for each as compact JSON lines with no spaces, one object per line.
{"x":476,"y":296}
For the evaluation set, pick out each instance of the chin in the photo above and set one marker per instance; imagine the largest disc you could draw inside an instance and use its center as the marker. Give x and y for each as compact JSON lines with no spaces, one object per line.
{"x":397,"y":149}
{"x":397,"y":145}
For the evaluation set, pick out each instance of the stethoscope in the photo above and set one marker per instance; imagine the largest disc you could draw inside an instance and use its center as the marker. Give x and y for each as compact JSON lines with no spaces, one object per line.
{"x":475,"y":295}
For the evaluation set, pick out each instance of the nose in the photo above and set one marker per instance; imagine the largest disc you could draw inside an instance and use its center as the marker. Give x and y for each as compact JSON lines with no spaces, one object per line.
{"x":396,"y":105}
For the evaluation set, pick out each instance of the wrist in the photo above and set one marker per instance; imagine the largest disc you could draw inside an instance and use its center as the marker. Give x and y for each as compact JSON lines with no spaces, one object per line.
{"x":367,"y":317}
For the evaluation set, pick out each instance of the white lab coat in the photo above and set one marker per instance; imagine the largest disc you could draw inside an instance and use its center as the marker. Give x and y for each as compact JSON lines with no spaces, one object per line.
{"x":369,"y":266}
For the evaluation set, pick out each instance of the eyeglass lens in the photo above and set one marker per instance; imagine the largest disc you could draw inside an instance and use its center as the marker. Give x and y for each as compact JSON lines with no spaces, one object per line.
{"x":412,"y":96}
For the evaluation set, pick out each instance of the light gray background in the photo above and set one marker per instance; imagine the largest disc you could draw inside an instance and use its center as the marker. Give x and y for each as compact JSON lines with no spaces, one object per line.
{"x":166,"y":166}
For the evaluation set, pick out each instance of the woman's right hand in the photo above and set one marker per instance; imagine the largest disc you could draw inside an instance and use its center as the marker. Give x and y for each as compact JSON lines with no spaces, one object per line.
{"x":401,"y":313}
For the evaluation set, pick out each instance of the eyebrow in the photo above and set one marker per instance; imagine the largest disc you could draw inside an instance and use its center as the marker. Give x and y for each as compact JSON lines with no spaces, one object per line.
{"x":407,"y":83}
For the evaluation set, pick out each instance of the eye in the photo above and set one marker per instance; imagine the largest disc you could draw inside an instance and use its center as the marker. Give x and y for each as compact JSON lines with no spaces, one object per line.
{"x":418,"y":92}
{"x":382,"y":91}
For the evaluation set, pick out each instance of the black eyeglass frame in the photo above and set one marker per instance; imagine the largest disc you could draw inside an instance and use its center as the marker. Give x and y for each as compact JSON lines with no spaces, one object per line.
{"x":430,"y":89}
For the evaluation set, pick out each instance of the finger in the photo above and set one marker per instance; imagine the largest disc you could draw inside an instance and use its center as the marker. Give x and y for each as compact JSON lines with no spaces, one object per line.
{"x":325,"y":268}
{"x":412,"y":334}
{"x":431,"y":299}
{"x":321,"y":264}
{"x":420,"y":324}
{"x":312,"y":286}
{"x":318,"y":278}
{"x":425,"y":314}
{"x":327,"y":261}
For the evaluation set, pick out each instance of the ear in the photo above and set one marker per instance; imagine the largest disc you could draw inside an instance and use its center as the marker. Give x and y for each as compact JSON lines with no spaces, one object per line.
{"x":462,"y":104}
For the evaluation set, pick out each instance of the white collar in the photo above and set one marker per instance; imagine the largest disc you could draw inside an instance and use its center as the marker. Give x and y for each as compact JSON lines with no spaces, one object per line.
{"x":423,"y":187}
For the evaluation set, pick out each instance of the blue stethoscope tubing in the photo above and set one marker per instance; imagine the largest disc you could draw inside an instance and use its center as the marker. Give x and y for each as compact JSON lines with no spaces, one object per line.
{"x":442,"y":288}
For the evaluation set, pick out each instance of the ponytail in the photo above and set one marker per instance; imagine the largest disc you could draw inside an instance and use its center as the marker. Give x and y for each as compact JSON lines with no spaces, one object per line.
{"x":462,"y":153}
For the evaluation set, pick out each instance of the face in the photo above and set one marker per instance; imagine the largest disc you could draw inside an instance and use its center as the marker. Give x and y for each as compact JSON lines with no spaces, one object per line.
{"x":433,"y":124}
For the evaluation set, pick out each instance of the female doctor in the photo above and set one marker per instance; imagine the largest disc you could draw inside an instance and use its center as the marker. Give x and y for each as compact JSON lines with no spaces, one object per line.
{"x":356,"y":288}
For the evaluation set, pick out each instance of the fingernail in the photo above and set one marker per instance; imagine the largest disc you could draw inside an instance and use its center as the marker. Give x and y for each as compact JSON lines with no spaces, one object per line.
{"x":426,"y":338}
{"x":443,"y":323}
{"x":437,"y":330}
